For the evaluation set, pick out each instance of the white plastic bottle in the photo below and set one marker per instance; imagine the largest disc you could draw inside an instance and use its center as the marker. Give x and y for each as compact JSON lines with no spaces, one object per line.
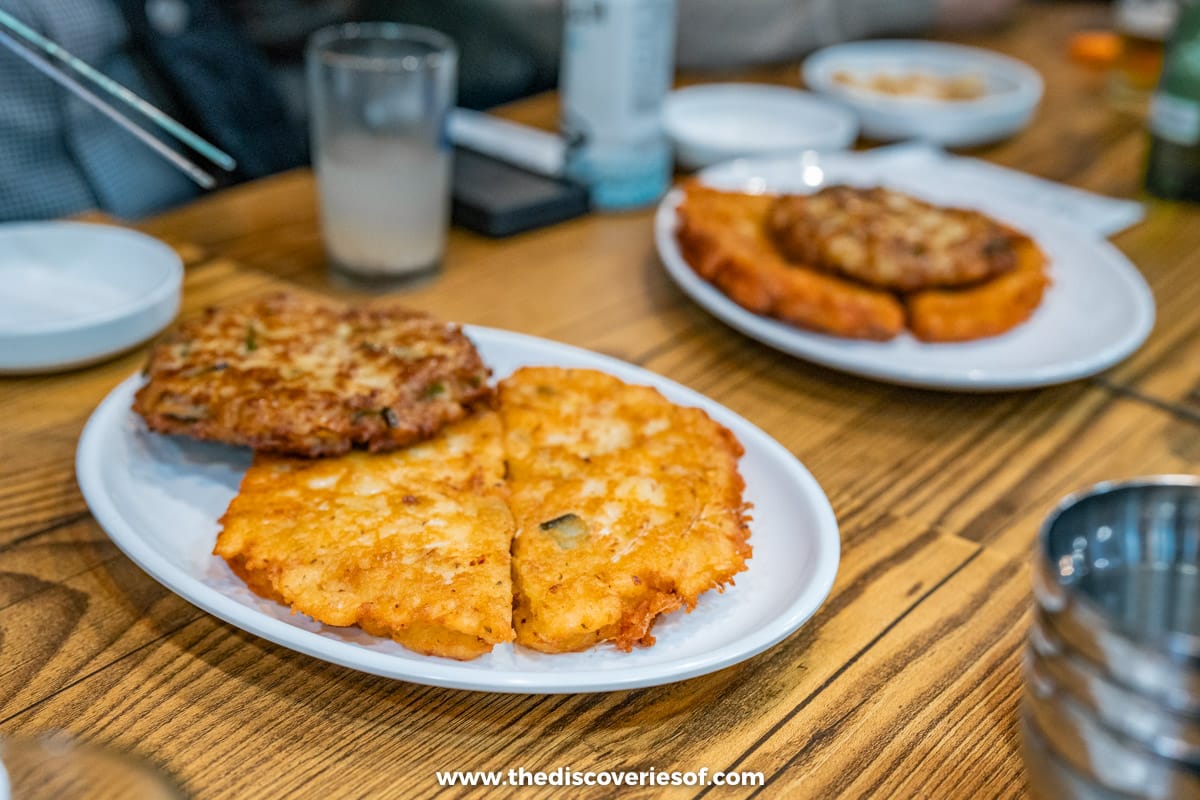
{"x":618,"y":62}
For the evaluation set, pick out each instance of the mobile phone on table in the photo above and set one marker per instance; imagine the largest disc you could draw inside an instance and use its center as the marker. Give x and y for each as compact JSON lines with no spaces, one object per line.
{"x":498,"y":199}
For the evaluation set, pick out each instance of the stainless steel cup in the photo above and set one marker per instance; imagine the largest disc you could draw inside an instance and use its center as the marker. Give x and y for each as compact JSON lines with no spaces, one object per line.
{"x":1113,"y":663}
{"x":1049,"y":777}
{"x":1079,"y":738}
{"x":1123,"y":710}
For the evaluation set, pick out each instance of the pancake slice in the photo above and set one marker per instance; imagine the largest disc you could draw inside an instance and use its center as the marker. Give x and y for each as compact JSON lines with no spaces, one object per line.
{"x":411,"y":545}
{"x":988,"y":309}
{"x":626,"y":507}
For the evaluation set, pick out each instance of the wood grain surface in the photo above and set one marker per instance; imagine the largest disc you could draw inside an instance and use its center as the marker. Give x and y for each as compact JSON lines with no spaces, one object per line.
{"x":905,"y":683}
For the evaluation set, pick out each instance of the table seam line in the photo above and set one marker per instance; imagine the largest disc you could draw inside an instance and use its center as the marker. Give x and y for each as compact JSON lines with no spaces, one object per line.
{"x":1120,"y":390}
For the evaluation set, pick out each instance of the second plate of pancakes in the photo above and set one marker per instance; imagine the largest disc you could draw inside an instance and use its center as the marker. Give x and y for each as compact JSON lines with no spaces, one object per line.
{"x":1097,"y":311}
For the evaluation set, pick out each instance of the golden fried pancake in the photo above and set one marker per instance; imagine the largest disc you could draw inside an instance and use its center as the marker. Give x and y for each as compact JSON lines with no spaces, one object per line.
{"x":890,"y":240}
{"x":626,"y":506}
{"x":412,"y":545}
{"x":988,"y":309}
{"x":723,"y":237}
{"x":300,"y":376}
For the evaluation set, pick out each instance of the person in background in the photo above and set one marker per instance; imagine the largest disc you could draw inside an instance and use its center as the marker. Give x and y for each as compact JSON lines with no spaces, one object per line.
{"x":233,"y":71}
{"x":59,"y":156}
{"x":511,"y":48}
{"x":497,"y":62}
{"x":719,"y":34}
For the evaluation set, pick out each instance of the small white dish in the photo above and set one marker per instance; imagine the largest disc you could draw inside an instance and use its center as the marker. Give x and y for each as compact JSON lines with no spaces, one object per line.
{"x":711,"y":123}
{"x":159,"y":499}
{"x":1097,"y":311}
{"x":1012,"y":90}
{"x":72,"y":293}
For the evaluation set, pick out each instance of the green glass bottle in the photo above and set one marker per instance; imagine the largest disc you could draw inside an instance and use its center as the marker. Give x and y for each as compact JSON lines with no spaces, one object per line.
{"x":1173,"y":170}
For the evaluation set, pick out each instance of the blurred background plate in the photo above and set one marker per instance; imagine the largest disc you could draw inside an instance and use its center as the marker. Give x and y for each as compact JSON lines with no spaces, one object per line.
{"x":1011,"y":90}
{"x":716,"y":122}
{"x":1098,"y":311}
{"x":73,"y":294}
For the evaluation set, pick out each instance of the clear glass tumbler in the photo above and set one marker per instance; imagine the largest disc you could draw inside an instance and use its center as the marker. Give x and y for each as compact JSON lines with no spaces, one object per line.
{"x":57,"y":767}
{"x":1144,"y":26}
{"x":379,"y":96}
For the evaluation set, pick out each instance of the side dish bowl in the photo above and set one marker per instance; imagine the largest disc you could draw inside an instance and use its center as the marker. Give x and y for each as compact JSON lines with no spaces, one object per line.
{"x":1010,"y":90}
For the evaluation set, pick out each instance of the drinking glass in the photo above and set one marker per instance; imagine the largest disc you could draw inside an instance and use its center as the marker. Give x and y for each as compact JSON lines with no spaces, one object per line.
{"x":1144,"y":26}
{"x":55,"y":766}
{"x":379,"y":96}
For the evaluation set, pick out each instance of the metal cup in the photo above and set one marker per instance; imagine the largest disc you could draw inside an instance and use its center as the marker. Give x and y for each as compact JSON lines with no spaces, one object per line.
{"x":1113,"y":665}
{"x":1049,"y":777}
{"x":1078,"y":737}
{"x":1121,"y":709}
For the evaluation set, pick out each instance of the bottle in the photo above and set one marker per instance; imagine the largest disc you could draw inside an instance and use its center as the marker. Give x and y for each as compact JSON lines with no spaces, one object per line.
{"x":617,"y":65}
{"x":1143,"y":26}
{"x":1173,"y":169}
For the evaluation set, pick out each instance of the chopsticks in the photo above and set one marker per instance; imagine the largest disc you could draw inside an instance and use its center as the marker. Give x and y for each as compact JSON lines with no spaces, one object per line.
{"x":32,"y":41}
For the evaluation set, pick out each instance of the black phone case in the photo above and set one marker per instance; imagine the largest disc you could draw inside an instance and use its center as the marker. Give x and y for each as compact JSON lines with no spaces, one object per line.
{"x":497,"y":199}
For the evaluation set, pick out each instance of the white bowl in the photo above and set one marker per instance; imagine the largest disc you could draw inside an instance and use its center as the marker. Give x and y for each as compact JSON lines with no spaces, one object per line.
{"x":1012,"y":91}
{"x":717,"y":122}
{"x":72,"y":294}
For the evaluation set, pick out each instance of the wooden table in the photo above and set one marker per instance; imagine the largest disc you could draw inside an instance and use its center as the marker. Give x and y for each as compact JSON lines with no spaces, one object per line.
{"x":905,"y":683}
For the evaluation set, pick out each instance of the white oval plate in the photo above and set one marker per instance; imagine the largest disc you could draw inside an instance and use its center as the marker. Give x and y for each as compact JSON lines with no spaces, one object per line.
{"x":1097,"y":312}
{"x":1013,"y":90}
{"x":159,"y":499}
{"x":73,"y":294}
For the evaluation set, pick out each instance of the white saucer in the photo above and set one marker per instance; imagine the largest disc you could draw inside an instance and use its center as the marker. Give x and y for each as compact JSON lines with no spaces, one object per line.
{"x":719,"y":121}
{"x":1013,"y":90}
{"x":73,"y":293}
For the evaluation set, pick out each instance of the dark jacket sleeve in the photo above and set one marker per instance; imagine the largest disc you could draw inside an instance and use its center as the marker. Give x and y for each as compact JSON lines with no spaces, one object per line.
{"x":220,"y":81}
